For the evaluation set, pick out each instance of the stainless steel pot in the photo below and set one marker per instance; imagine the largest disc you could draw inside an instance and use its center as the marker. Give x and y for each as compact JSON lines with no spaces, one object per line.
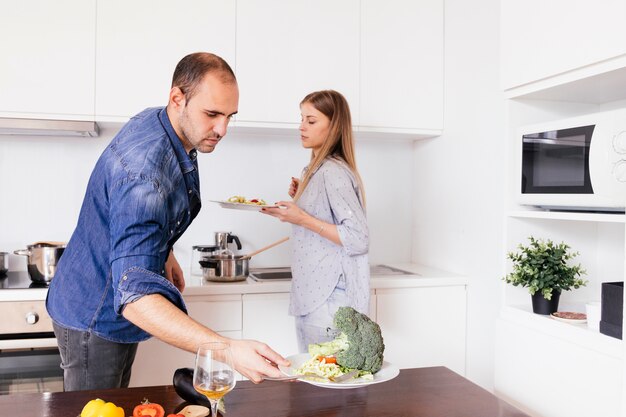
{"x":225,"y":268}
{"x":4,"y":263}
{"x":42,"y":259}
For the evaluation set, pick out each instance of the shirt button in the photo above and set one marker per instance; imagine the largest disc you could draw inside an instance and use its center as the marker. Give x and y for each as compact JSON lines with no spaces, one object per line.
{"x":178,"y":223}
{"x":124,"y":278}
{"x":190,"y":191}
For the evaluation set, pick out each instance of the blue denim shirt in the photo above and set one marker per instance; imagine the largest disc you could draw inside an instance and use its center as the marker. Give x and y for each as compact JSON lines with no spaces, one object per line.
{"x":142,"y":195}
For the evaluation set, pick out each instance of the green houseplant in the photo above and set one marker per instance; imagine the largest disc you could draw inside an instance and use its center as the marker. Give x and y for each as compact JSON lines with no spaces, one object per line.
{"x":543,"y":267}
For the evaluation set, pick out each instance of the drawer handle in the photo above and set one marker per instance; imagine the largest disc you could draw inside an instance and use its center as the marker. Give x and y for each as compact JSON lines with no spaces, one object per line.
{"x":32,"y":318}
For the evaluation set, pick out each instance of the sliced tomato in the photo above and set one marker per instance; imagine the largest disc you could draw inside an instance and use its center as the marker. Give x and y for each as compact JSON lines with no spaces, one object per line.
{"x":148,"y":409}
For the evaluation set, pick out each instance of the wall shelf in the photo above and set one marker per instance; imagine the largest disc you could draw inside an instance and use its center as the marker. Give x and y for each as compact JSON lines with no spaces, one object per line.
{"x":574,"y":216}
{"x":578,"y":334}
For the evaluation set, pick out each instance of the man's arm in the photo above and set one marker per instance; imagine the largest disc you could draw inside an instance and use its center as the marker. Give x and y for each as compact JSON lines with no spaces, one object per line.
{"x":159,"y":317}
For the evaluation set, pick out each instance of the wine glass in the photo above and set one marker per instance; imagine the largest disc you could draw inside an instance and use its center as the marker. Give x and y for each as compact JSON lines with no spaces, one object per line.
{"x":214,"y":374}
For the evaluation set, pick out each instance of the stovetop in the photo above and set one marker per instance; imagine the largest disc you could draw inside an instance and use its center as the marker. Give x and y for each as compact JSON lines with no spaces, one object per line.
{"x":18,"y":280}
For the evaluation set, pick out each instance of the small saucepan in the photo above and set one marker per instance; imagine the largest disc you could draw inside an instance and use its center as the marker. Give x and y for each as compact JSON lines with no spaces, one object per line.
{"x":42,"y":259}
{"x":230,"y":268}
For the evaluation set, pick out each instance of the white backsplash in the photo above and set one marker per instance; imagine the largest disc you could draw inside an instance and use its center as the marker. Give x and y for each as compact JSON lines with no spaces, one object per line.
{"x":43,"y":180}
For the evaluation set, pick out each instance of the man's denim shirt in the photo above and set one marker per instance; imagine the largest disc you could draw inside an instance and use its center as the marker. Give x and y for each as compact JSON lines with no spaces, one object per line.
{"x":142,"y":195}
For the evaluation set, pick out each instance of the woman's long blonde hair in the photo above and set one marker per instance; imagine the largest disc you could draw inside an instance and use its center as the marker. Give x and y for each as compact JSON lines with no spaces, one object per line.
{"x":339,"y":143}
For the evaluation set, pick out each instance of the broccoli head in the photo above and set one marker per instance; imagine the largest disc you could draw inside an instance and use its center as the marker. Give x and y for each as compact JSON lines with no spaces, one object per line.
{"x":358,"y":346}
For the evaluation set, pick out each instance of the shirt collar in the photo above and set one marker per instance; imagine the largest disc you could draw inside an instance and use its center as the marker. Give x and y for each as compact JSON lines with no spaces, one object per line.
{"x":187,"y":161}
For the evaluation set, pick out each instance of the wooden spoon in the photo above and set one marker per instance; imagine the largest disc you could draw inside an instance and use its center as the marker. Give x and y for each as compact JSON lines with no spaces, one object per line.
{"x":264,"y":248}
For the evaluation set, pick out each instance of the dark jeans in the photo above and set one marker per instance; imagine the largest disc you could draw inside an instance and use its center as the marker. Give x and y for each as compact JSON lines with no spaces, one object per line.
{"x":90,"y":362}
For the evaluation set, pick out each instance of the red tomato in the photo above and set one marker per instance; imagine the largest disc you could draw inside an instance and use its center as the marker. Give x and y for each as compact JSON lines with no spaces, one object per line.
{"x":147,"y":409}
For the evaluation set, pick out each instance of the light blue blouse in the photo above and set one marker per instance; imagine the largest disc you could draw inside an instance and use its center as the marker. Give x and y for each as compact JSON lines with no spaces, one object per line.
{"x":332,"y":196}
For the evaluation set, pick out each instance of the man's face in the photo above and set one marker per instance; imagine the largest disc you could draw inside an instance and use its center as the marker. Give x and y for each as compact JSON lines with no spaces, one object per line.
{"x":202,"y":121}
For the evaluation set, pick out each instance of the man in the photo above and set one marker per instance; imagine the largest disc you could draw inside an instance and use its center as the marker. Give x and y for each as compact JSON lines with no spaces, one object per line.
{"x":118,"y":281}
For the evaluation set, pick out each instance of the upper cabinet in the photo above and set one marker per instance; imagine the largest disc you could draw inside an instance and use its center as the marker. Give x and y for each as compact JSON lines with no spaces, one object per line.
{"x":140,"y":42}
{"x":287,"y":49}
{"x":386,"y":58}
{"x":548,"y":43}
{"x":111,"y":59}
{"x":402,"y":60}
{"x":47,"y":57}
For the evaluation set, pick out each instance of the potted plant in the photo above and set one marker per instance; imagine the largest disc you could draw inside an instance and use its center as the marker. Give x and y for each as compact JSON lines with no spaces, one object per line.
{"x":543,"y":267}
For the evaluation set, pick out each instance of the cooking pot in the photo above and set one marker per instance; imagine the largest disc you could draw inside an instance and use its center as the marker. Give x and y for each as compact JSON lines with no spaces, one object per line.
{"x":4,"y":263}
{"x":222,"y":267}
{"x":42,"y":259}
{"x":225,"y":268}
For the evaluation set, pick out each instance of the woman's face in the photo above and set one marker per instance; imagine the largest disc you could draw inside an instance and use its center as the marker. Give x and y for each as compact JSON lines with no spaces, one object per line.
{"x":313,"y":127}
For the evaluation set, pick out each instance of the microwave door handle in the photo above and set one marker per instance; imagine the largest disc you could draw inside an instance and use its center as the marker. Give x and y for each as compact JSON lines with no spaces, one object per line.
{"x":554,"y":142}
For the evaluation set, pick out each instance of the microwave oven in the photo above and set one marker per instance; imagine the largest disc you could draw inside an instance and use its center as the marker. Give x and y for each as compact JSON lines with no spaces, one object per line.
{"x":577,"y":163}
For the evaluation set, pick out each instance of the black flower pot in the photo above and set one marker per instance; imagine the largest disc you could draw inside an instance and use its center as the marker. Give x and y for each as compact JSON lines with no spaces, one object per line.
{"x":543,"y":306}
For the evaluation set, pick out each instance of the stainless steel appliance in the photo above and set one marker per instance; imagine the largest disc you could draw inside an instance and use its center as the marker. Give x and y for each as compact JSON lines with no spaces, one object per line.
{"x":29,"y":357}
{"x":575,"y":164}
{"x":4,"y":263}
{"x":42,"y":259}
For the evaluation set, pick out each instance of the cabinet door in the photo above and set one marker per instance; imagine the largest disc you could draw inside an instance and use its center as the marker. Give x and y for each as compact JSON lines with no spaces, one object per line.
{"x":287,"y":49}
{"x":423,"y":326}
{"x":47,"y":58}
{"x":402,"y":64}
{"x":266,"y":318}
{"x":541,"y":39}
{"x":157,"y":361}
{"x":140,"y":42}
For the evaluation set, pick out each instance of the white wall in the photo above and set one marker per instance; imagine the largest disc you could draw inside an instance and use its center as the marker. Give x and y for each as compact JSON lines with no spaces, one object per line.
{"x":459,"y":181}
{"x":43,"y":180}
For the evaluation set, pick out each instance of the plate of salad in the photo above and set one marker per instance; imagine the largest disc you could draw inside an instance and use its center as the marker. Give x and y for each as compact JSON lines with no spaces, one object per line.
{"x":318,"y":375}
{"x":239,"y":202}
{"x":354,"y":358}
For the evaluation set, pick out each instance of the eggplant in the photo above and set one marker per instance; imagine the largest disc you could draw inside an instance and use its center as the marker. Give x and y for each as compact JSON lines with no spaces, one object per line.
{"x":183,"y":385}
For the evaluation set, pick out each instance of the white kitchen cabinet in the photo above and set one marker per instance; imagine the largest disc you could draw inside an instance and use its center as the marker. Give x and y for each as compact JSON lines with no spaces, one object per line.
{"x":542,"y":39}
{"x":402,"y":65}
{"x":156,"y":361}
{"x":47,"y":59}
{"x":424,"y":326}
{"x":287,"y":49}
{"x":538,"y":371}
{"x":140,"y":42}
{"x":266,"y":318}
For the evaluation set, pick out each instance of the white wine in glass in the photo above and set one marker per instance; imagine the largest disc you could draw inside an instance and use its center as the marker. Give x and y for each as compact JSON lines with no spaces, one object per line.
{"x":214,"y":374}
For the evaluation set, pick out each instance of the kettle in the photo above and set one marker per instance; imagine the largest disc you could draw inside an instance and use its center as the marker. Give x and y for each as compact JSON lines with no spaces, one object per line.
{"x":222,"y":239}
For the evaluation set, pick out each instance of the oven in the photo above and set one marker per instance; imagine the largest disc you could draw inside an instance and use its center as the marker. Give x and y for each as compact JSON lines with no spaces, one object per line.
{"x":29,"y":357}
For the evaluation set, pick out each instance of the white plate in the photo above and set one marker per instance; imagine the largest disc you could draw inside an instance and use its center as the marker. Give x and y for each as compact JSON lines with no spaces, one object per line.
{"x":241,"y":206}
{"x":386,"y":373}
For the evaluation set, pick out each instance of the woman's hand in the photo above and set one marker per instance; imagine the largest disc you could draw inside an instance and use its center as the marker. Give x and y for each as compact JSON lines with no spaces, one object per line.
{"x":255,"y":360}
{"x":287,"y":212}
{"x":293,"y":187}
{"x":174,"y":273}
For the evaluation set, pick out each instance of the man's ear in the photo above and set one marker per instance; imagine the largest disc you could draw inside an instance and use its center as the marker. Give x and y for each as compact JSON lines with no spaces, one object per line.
{"x":177,"y":97}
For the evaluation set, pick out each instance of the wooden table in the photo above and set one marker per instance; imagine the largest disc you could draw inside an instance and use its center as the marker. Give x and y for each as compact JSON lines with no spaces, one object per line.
{"x":427,"y":392}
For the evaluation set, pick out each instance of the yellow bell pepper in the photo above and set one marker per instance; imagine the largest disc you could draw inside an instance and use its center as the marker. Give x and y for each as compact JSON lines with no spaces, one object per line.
{"x":101,"y":408}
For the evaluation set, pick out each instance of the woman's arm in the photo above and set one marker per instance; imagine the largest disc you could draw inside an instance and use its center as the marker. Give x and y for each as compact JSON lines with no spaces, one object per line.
{"x":289,"y":212}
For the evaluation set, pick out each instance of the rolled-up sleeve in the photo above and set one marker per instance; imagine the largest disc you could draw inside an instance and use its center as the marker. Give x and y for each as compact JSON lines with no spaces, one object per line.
{"x":139,"y":227}
{"x":348,"y":212}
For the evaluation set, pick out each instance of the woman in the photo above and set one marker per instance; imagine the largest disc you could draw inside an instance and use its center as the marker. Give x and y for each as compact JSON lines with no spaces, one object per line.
{"x":330,"y":265}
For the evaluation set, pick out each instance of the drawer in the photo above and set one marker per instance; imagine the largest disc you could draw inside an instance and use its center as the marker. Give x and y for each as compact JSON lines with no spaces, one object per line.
{"x":24,"y":317}
{"x":219,"y":313}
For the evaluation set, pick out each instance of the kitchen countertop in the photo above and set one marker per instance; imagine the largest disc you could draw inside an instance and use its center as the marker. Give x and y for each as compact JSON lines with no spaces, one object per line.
{"x":433,"y":391}
{"x":420,"y":276}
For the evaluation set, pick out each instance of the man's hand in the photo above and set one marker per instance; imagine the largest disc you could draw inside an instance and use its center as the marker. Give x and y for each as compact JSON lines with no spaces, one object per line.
{"x":174,"y":273}
{"x":254,"y":359}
